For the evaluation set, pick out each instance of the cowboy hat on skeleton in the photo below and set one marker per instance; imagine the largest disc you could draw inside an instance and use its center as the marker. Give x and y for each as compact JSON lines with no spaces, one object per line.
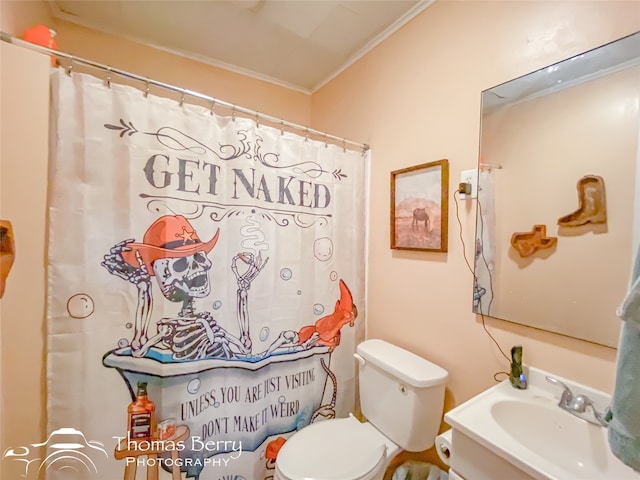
{"x":170,"y":236}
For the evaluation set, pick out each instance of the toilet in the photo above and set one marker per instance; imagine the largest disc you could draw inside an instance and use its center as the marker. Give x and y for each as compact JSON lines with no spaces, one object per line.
{"x":402,"y":398}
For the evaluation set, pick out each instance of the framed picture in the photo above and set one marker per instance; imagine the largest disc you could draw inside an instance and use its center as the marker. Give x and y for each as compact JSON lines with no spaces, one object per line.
{"x":420,"y":207}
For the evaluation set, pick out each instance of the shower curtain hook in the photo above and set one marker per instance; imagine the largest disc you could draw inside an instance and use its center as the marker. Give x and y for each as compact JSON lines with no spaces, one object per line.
{"x":257,"y":119}
{"x":146,"y":88}
{"x":233,"y":113}
{"x":326,"y":144}
{"x":213,"y":106}
{"x":70,"y":66}
{"x":182,"y":98}
{"x":344,"y":145}
{"x":281,"y":127}
{"x":306,"y":134}
{"x":108,"y":81}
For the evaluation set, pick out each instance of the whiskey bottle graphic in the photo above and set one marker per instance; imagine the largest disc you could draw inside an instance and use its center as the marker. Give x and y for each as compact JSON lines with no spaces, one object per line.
{"x":142,"y":415}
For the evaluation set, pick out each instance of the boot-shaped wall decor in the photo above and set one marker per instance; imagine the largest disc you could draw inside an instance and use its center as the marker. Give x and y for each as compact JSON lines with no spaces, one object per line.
{"x":593,"y":206}
{"x":7,"y":252}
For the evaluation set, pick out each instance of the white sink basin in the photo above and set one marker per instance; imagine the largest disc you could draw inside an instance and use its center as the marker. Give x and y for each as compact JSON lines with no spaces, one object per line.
{"x":528,"y":429}
{"x":541,"y":428}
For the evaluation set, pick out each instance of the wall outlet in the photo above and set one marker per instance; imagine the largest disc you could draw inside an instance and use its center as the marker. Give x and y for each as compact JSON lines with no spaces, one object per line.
{"x":470,"y":176}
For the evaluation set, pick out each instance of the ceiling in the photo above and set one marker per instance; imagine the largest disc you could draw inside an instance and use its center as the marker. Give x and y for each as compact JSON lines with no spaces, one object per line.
{"x":300,"y":44}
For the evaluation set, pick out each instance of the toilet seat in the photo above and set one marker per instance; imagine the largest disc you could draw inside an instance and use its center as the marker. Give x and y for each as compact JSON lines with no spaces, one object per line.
{"x":340,"y":449}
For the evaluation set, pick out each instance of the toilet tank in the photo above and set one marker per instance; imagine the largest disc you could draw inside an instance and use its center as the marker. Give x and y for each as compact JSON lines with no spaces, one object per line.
{"x":401,"y":394}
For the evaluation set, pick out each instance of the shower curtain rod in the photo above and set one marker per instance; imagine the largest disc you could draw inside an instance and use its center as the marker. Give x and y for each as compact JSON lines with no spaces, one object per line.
{"x":214,"y":101}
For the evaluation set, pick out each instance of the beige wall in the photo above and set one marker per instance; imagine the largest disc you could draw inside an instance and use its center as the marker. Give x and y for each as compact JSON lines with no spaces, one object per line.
{"x":18,"y":15}
{"x":24,"y":120}
{"x":415,"y":99}
{"x":230,"y":87}
{"x":23,"y":144}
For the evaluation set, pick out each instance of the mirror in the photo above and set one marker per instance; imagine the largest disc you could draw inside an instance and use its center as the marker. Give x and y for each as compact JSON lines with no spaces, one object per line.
{"x":558,"y":202}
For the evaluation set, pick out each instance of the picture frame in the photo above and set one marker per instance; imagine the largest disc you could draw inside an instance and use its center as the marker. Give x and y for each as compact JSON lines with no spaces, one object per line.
{"x":420,"y":207}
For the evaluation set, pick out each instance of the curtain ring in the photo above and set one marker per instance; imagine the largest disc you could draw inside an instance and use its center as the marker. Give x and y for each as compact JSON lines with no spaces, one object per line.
{"x":213,"y":106}
{"x":344,"y":145}
{"x":306,"y":134}
{"x":69,"y":67}
{"x":281,"y":127}
{"x":146,"y":89}
{"x":233,"y":113}
{"x":257,"y":119}
{"x":108,"y":81}
{"x":182,"y":98}
{"x":326,"y":145}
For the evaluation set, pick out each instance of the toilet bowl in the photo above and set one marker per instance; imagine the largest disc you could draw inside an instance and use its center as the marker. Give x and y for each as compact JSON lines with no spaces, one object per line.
{"x":344,"y":449}
{"x":398,"y":391}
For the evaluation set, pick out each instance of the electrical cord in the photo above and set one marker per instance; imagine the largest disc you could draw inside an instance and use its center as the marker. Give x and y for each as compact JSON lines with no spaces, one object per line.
{"x":495,"y":376}
{"x":464,"y":254}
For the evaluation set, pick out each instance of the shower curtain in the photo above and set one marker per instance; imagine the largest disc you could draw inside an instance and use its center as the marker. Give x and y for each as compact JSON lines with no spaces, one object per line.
{"x":215,"y":263}
{"x":485,"y":258}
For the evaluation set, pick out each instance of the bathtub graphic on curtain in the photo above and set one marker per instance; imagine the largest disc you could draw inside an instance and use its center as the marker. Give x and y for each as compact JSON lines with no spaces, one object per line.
{"x":237,"y":413}
{"x":204,"y":377}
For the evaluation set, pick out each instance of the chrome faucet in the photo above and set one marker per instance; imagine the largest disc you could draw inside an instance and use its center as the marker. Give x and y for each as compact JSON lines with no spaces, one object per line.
{"x":578,"y":405}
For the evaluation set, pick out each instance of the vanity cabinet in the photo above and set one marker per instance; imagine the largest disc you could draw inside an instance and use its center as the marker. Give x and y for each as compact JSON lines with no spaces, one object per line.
{"x":472,"y":461}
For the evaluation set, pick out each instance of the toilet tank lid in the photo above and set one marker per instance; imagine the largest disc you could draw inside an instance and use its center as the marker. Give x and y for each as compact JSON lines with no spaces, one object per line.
{"x":407,"y":366}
